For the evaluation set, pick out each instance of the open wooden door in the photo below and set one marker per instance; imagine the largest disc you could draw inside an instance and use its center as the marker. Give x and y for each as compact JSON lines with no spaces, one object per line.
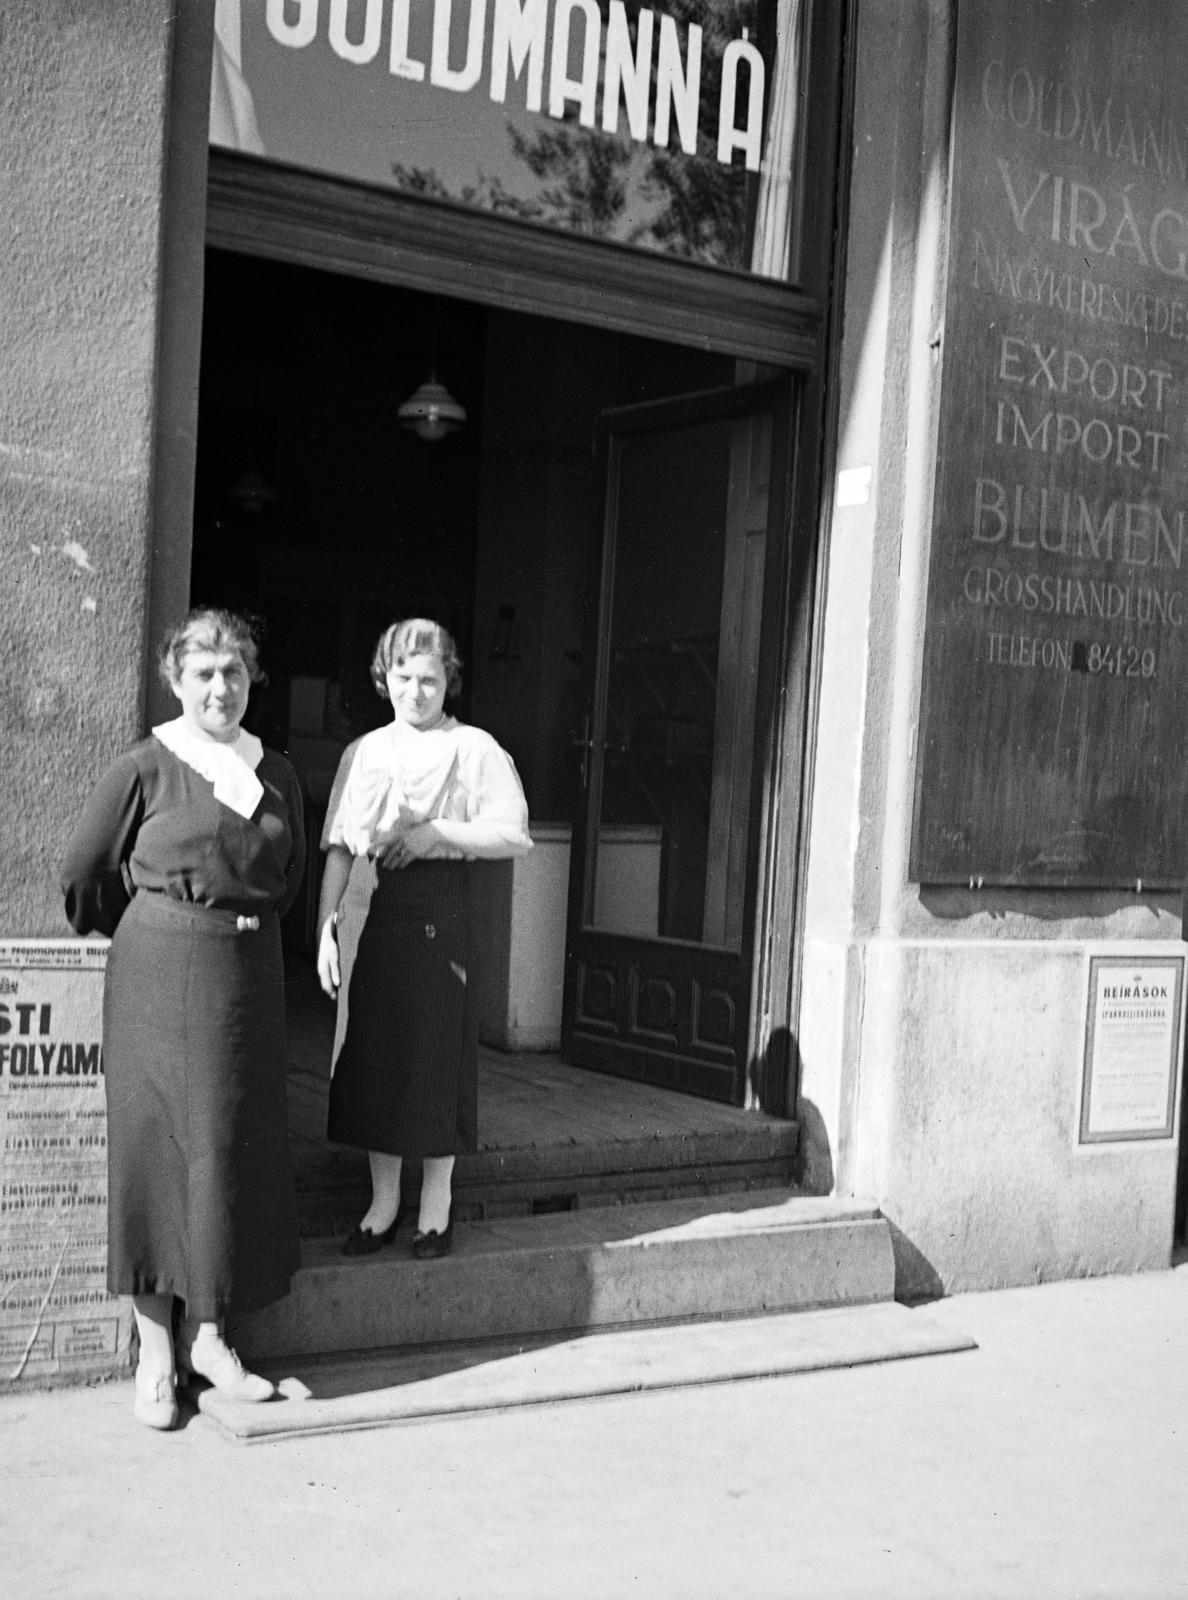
{"x":662,"y":938}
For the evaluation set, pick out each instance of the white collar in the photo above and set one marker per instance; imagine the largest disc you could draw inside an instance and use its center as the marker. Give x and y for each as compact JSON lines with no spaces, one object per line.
{"x":231,"y":768}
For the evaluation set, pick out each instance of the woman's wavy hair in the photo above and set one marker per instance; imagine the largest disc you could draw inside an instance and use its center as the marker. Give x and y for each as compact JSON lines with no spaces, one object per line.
{"x":416,"y":636}
{"x":211,"y":628}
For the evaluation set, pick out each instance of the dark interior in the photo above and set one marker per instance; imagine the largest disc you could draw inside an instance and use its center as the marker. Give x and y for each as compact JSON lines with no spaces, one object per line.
{"x":318,"y":512}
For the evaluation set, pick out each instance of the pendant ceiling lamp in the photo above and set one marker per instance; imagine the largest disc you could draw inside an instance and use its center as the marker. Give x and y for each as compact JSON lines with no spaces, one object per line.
{"x":431,"y":412}
{"x":251,"y":492}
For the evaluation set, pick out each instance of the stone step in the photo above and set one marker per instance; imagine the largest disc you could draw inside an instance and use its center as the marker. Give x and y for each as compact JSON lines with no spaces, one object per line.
{"x":527,"y":1183}
{"x":624,"y":1171}
{"x":603,"y":1267}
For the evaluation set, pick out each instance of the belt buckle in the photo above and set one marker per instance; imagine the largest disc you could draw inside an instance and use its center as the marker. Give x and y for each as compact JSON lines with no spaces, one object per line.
{"x":247,"y":924}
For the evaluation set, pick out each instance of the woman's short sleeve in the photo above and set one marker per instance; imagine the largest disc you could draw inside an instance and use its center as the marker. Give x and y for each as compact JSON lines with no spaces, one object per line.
{"x":495,"y":795}
{"x":332,"y":830}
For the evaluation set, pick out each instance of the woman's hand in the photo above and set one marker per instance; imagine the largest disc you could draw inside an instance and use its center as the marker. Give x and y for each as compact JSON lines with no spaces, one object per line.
{"x":329,"y":970}
{"x":410,"y":844}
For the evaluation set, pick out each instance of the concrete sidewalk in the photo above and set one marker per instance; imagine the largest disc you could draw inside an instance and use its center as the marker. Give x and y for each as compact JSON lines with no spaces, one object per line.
{"x":1050,"y":1461}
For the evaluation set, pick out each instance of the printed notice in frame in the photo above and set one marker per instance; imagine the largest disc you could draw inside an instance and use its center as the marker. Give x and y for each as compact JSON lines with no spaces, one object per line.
{"x":57,"y":1321}
{"x":1132,"y":1048}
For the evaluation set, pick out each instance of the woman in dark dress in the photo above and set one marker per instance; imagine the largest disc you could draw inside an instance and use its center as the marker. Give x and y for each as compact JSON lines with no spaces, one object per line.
{"x":412,"y":804}
{"x":188,"y":850}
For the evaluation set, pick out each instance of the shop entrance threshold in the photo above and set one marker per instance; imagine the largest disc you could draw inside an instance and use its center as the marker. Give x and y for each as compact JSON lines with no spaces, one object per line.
{"x":552,"y":1137}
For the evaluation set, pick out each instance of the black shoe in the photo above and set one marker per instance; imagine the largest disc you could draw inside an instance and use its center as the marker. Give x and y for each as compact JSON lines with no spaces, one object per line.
{"x":362,"y":1242}
{"x":432,"y":1245}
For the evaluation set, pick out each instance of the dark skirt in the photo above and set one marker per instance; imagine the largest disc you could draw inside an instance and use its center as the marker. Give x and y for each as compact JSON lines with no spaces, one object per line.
{"x":201,"y":1202}
{"x":405,"y":1077}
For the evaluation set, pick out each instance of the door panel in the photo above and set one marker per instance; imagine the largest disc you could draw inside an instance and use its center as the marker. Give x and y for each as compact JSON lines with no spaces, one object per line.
{"x":660,"y":945}
{"x":738,"y":666}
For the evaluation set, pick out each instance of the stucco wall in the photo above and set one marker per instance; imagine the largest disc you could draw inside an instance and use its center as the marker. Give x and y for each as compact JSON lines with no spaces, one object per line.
{"x":882,"y":1049}
{"x":84,"y":91}
{"x":968,"y":1121}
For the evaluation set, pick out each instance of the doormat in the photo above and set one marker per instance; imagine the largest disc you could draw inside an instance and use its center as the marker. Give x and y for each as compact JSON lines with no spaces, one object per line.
{"x":382,"y":1390}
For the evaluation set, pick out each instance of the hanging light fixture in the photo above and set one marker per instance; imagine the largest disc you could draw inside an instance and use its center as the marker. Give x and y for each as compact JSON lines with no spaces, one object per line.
{"x":431,"y":412}
{"x":251,"y":492}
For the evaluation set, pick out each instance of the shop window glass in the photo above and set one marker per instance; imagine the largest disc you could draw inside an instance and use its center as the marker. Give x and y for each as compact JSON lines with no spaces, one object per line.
{"x":670,"y":128}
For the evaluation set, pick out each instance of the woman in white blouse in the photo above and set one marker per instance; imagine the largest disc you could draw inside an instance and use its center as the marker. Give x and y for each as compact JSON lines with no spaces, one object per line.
{"x":413,"y":803}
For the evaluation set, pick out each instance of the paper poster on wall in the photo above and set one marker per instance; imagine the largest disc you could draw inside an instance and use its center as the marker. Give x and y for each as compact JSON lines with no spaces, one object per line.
{"x":1132,"y":1048}
{"x":56,"y":1317}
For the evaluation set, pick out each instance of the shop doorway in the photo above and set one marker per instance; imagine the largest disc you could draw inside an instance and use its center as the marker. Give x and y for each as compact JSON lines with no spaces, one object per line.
{"x":605,"y":537}
{"x":661,"y":923}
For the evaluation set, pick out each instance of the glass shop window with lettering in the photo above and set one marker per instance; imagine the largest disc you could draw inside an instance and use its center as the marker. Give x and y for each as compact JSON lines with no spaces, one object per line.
{"x":669,"y":128}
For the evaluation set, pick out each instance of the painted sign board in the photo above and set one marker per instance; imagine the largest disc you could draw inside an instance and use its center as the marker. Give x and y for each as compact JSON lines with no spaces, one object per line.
{"x":665,"y":127}
{"x":1054,"y":718}
{"x":1132,"y":1048}
{"x":56,"y":1318}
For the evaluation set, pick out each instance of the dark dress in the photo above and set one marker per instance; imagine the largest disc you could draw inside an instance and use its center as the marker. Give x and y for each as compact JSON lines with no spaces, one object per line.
{"x":201,"y":1202}
{"x":406,"y":1059}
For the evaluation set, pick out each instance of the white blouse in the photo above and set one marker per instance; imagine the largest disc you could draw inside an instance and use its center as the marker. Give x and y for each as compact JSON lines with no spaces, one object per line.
{"x":398,"y":776}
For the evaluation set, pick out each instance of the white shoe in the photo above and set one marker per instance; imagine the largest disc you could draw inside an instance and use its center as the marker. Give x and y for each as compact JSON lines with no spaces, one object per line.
{"x":156,"y":1399}
{"x":215,"y":1361}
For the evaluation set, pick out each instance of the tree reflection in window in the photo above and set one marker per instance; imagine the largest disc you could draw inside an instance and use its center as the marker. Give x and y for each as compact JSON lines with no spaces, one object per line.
{"x":605,"y":185}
